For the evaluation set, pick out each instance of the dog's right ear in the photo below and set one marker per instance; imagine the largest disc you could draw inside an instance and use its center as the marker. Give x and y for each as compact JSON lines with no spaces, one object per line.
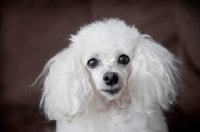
{"x":66,"y":89}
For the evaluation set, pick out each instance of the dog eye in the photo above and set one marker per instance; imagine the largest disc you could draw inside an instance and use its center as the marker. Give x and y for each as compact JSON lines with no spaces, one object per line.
{"x":123,"y":59}
{"x":92,"y":63}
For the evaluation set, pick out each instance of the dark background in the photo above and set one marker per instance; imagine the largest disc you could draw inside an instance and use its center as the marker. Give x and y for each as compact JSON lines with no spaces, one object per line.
{"x":32,"y":31}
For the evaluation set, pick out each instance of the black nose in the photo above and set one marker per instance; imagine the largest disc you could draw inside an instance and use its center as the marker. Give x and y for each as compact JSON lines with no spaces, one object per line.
{"x":110,"y":78}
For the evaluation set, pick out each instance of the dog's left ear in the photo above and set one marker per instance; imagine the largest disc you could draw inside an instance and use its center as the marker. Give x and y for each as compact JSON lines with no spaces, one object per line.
{"x":154,"y":79}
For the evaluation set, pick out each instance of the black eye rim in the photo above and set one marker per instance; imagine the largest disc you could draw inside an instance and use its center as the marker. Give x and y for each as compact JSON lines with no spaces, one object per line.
{"x":123,"y":59}
{"x":93,"y":64}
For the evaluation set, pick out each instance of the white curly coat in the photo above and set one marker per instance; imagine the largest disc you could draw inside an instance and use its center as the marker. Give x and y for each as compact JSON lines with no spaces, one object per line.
{"x":74,"y":94}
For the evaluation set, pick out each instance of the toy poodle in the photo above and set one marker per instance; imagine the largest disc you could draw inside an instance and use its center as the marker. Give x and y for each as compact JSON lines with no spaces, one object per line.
{"x":111,"y":78}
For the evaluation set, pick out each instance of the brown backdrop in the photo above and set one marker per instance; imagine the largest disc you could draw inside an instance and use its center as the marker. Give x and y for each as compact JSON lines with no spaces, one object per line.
{"x":32,"y":31}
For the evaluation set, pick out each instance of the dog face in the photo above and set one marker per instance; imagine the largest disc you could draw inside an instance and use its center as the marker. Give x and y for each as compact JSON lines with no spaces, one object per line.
{"x":106,"y":53}
{"x":109,"y":72}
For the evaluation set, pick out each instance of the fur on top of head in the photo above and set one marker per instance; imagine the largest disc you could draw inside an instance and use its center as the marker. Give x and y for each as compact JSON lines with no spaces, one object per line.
{"x":109,"y":61}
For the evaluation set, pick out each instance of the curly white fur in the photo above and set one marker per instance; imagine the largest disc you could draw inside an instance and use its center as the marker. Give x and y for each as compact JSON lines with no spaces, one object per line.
{"x":74,"y":94}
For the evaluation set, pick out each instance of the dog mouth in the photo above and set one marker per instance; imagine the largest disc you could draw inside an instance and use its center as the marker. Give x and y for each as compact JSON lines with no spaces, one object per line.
{"x":111,"y":91}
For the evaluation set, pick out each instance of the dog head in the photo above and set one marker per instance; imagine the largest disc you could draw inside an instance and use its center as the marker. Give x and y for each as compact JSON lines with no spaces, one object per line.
{"x":107,"y":59}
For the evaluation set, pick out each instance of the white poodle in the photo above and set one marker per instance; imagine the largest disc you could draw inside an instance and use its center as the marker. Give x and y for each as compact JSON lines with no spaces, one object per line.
{"x":111,"y":78}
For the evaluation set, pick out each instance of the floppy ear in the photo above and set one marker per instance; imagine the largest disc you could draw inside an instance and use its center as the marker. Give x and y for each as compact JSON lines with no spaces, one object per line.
{"x":154,"y":79}
{"x":66,"y":86}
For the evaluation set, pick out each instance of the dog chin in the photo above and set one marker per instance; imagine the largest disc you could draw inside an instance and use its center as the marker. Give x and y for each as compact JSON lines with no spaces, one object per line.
{"x":110,"y":96}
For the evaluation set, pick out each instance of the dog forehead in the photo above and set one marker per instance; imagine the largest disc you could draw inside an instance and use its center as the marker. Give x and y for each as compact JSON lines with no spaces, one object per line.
{"x":105,"y":35}
{"x":104,"y":41}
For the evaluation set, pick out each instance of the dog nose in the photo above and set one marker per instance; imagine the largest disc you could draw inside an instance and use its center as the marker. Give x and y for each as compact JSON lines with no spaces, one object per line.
{"x":111,"y":78}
